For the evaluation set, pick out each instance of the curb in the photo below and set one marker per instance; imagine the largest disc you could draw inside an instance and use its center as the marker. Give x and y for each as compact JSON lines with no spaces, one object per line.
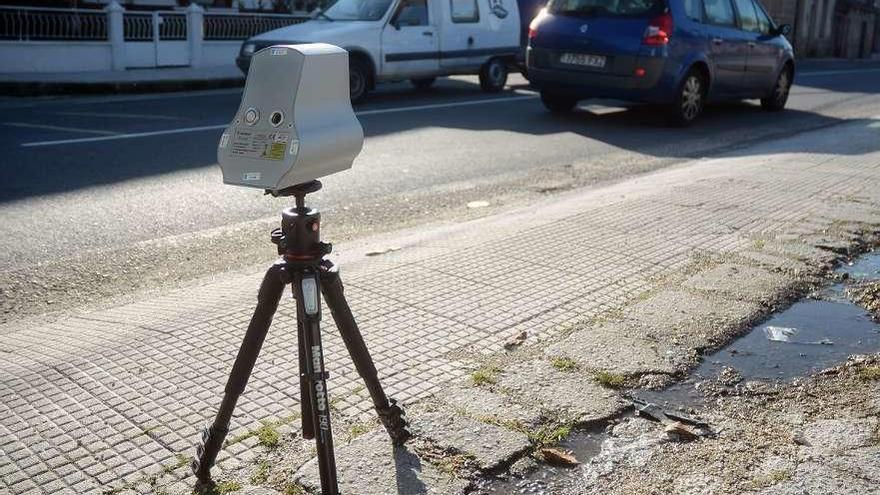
{"x":42,"y":88}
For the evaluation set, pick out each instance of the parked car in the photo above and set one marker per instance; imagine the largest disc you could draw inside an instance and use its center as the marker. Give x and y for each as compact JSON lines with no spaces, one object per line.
{"x":419,"y":40}
{"x":681,"y":53}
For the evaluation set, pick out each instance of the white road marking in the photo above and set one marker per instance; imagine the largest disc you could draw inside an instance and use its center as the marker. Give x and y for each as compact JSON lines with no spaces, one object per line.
{"x":123,"y":136}
{"x":59,"y":128}
{"x":834,"y":72}
{"x":119,"y":115}
{"x":223,"y":126}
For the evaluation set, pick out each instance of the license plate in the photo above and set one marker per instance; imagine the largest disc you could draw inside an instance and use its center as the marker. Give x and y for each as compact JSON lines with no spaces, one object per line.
{"x":583,"y":59}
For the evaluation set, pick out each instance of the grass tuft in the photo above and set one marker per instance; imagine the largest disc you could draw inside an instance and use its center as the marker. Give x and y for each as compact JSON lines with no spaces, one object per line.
{"x":609,"y":380}
{"x":293,"y":489}
{"x":485,"y":375}
{"x":564,"y":364}
{"x":547,"y":436}
{"x":869,"y":373}
{"x":261,"y":474}
{"x":268,"y":435}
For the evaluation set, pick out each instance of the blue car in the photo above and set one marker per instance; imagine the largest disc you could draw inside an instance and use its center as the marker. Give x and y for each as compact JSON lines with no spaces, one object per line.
{"x":679,"y":53}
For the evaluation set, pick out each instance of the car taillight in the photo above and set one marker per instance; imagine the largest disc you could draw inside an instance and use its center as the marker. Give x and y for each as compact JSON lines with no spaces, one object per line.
{"x":533,"y":26}
{"x":658,"y":31}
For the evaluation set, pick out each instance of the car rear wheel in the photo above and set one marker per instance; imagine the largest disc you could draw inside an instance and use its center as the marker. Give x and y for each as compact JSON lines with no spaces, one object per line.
{"x":557,"y":103}
{"x":779,"y":97}
{"x":493,"y":75}
{"x":358,"y":80}
{"x":423,"y":82}
{"x":690,"y":99}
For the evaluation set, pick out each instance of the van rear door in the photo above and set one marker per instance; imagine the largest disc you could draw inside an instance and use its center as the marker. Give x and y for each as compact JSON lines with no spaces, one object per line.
{"x":475,"y":30}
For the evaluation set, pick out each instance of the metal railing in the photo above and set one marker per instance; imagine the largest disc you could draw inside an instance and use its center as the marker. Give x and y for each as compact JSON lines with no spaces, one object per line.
{"x":35,"y":24}
{"x":137,"y":26}
{"x":27,"y":24}
{"x":241,"y":26}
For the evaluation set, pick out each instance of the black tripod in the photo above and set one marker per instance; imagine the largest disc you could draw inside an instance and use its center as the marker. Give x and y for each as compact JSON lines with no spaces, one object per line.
{"x":302,"y":265}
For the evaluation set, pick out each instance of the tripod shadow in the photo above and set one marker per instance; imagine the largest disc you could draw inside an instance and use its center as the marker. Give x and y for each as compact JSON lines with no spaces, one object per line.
{"x":407,"y":467}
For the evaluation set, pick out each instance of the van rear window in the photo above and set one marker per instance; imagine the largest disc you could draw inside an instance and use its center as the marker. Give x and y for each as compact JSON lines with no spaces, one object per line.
{"x":606,"y":8}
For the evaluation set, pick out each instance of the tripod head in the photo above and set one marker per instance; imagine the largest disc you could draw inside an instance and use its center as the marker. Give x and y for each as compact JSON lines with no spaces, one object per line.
{"x":299,"y":238}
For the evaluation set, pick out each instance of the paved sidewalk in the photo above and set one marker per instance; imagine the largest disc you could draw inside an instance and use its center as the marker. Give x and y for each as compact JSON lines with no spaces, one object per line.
{"x":111,"y":400}
{"x":121,"y":81}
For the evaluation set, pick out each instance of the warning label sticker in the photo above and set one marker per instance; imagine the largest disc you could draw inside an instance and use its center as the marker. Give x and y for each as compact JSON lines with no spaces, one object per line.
{"x":261,"y":145}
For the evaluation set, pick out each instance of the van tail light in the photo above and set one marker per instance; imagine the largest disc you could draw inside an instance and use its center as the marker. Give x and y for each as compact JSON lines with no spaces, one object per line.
{"x":658,"y":31}
{"x":533,"y":32}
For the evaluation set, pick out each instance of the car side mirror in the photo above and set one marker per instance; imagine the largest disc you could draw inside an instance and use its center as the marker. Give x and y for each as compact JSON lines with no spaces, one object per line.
{"x":783,"y":30}
{"x":395,"y":24}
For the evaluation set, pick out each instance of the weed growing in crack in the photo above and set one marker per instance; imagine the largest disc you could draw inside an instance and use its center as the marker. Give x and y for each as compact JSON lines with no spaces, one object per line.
{"x":549,"y":435}
{"x":485,"y":375}
{"x":261,"y":474}
{"x":564,"y":364}
{"x":268,"y":435}
{"x":293,"y":489}
{"x":357,"y":430}
{"x":225,"y":487}
{"x":869,"y":373}
{"x":609,"y":380}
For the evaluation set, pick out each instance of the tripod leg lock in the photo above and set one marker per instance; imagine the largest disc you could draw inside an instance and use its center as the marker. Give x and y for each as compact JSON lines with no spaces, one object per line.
{"x":206,"y":452}
{"x":393,"y":418}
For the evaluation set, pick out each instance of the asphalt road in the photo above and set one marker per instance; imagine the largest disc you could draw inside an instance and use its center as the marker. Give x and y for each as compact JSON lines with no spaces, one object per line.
{"x":109,"y":195}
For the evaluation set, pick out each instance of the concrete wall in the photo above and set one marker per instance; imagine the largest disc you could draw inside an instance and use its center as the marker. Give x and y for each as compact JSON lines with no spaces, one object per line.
{"x":216,"y":53}
{"x":55,"y":56}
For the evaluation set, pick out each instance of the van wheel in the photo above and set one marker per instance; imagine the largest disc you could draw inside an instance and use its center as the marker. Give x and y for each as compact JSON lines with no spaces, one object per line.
{"x":493,"y":75}
{"x":423,"y":82}
{"x":779,"y":97}
{"x":358,"y":79}
{"x":689,"y":100}
{"x":557,"y":103}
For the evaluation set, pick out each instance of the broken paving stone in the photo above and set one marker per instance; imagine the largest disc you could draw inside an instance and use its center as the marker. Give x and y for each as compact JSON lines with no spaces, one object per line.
{"x":562,"y":395}
{"x":558,"y":457}
{"x":487,"y":406}
{"x":816,"y":477}
{"x":838,"y":435}
{"x":516,"y":340}
{"x":371,"y":465}
{"x":489,"y":445}
{"x":742,"y":282}
{"x":617,"y":348}
{"x":692,"y":319}
{"x":678,"y":431}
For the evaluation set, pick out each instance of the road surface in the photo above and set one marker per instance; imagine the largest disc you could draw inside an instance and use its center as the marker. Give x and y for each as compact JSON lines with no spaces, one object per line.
{"x":108,"y":196}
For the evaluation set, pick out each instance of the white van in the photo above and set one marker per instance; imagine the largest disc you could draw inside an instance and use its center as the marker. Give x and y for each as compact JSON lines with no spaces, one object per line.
{"x":419,"y":40}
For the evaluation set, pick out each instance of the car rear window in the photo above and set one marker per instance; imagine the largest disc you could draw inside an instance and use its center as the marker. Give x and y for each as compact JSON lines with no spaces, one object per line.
{"x":606,"y":8}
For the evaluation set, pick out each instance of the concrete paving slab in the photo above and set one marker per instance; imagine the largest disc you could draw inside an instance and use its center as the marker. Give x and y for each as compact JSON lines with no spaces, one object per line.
{"x":689,"y":320}
{"x":741,"y":282}
{"x":489,"y":445}
{"x":562,"y":396}
{"x":596,"y":348}
{"x":485,"y":405}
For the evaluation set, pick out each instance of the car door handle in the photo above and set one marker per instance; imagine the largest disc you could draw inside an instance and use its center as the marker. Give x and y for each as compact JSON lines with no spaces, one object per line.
{"x":717,"y":41}
{"x":427,"y":33}
{"x":751,"y":44}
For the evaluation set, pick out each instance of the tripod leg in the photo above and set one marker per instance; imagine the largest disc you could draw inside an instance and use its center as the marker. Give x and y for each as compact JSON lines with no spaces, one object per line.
{"x":307,"y":289}
{"x":305,"y":402}
{"x":212,"y":437}
{"x":389,"y":412}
